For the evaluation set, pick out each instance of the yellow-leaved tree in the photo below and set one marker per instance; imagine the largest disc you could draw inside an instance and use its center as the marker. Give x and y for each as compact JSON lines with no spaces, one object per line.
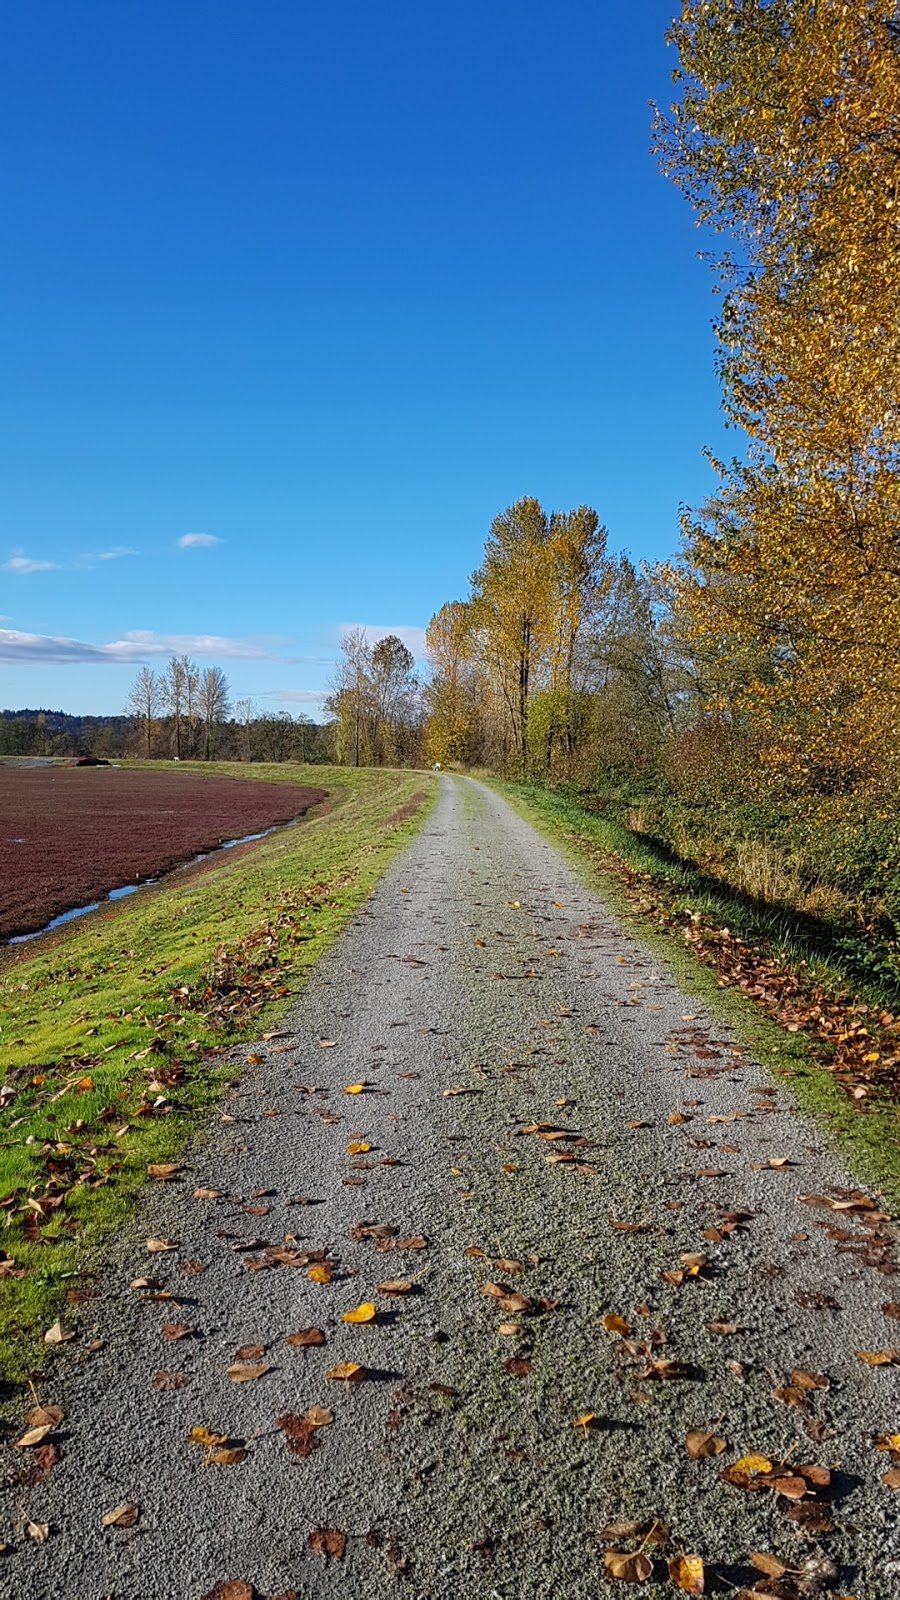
{"x":786,"y":137}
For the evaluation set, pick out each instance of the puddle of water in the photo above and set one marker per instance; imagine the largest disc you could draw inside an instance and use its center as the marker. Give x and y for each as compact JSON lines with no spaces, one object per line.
{"x":147,"y":883}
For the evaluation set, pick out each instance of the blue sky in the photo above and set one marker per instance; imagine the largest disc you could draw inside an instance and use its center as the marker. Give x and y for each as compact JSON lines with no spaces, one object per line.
{"x":296,"y":297}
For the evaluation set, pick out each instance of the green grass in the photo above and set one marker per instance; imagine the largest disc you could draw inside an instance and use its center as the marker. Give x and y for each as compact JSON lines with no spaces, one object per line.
{"x":869,"y":1139}
{"x":130,"y":1008}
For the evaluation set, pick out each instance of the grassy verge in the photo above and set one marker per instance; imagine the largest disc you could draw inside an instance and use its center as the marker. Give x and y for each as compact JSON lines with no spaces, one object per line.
{"x":638,"y":879}
{"x":110,"y":1036}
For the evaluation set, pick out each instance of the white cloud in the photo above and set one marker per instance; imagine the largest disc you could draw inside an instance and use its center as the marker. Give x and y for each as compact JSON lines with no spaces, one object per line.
{"x":115,"y":554}
{"x":197,"y":541}
{"x":413,"y":638}
{"x":22,"y":649}
{"x":20,"y":564}
{"x":298,"y":697}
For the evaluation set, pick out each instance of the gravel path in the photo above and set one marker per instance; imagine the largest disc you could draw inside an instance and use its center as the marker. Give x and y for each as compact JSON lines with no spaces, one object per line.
{"x":481,"y":992}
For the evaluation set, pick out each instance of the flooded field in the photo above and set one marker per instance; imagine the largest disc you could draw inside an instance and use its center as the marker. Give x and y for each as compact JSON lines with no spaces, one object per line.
{"x":72,"y":836}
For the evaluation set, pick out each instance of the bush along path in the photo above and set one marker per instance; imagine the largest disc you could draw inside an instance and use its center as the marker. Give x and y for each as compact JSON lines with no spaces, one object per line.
{"x":504,"y":1272}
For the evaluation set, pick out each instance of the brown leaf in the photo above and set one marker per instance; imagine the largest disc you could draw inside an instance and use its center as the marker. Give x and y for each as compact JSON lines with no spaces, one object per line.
{"x":124,"y":1516}
{"x":163,"y":1171}
{"x":318,"y":1416}
{"x":157,"y":1246}
{"x":44,"y":1416}
{"x":34,"y":1436}
{"x":394,"y":1286}
{"x":792,"y":1487}
{"x":58,"y":1334}
{"x":176,"y":1330}
{"x":250,"y":1352}
{"x":227,"y":1455}
{"x":891,"y":1478}
{"x":305,"y":1338}
{"x":517,"y":1366}
{"x":724,"y":1328}
{"x":327,"y":1542}
{"x":166,"y":1381}
{"x":770,"y":1565}
{"x":892,"y":1309}
{"x":879,"y":1358}
{"x":229,"y":1589}
{"x":628,"y":1568}
{"x":801,"y":1379}
{"x":37,"y":1531}
{"x":701,"y":1443}
{"x":248,"y":1371}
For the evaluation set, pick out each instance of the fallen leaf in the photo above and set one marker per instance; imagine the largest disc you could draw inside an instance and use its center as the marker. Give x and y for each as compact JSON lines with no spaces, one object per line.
{"x":124,"y":1516}
{"x":44,"y":1416}
{"x":586,"y":1420}
{"x":801,"y":1379}
{"x":250,"y":1352}
{"x":742,"y":1472}
{"x":227,"y":1455}
{"x":229,"y":1589}
{"x":320,"y":1273}
{"x":891,"y":1478}
{"x":358,"y":1147}
{"x":206,"y":1437}
{"x":770,"y":1565}
{"x":327,"y":1542}
{"x":207,"y":1194}
{"x":34,"y":1436}
{"x":166,"y":1381}
{"x":247,"y":1371}
{"x":156,"y":1246}
{"x":37,"y":1531}
{"x":57,"y":1334}
{"x":701,"y":1444}
{"x":163,"y":1171}
{"x":318,"y":1416}
{"x":792,"y":1487}
{"x":347,"y":1372}
{"x":615,"y":1324}
{"x":177,"y":1330}
{"x":416,"y":1242}
{"x":724,"y":1328}
{"x":687,"y":1574}
{"x":355,"y":1088}
{"x":877,"y":1358}
{"x":305,"y":1338}
{"x":394,"y":1286}
{"x":364,"y":1313}
{"x":517,"y":1366}
{"x":628,"y":1568}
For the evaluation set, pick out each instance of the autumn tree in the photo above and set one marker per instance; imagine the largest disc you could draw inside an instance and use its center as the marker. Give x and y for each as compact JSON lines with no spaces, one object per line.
{"x":786,"y":138}
{"x":510,"y":608}
{"x":451,"y":694}
{"x":144,"y":703}
{"x":348,"y":697}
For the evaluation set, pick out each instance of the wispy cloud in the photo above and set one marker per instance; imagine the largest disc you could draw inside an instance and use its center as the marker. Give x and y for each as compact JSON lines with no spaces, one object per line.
{"x":17,"y":648}
{"x":412,"y":637}
{"x":20,"y":564}
{"x":296,"y":697}
{"x":197,"y":541}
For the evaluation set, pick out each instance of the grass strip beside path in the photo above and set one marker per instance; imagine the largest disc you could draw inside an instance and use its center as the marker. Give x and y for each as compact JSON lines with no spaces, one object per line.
{"x":109,"y":1038}
{"x":804,"y":1018}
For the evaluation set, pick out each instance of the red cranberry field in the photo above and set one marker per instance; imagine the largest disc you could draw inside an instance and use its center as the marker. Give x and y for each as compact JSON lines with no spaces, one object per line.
{"x":69,"y":835}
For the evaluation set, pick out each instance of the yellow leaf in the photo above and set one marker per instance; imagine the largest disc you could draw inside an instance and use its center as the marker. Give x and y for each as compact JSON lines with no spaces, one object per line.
{"x":364,"y":1313}
{"x":124,"y":1516}
{"x":320,"y":1273}
{"x":355,"y":1088}
{"x":347,"y":1372}
{"x":687,"y":1574}
{"x":358,"y":1147}
{"x":205,"y":1437}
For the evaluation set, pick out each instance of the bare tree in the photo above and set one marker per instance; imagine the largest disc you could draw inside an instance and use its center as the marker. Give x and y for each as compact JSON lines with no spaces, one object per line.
{"x":144,"y":703}
{"x":245,"y":715}
{"x":174,"y":689}
{"x":214,"y":705}
{"x":191,"y":674}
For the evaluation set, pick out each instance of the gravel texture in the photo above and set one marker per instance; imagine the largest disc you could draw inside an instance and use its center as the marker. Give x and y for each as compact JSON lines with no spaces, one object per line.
{"x":480,"y":965}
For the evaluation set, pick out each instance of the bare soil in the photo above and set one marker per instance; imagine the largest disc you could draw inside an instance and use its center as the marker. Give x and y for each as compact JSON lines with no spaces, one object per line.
{"x":70,"y":835}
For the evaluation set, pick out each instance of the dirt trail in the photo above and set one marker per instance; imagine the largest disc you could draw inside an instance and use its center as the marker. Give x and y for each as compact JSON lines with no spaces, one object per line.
{"x":481,"y":992}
